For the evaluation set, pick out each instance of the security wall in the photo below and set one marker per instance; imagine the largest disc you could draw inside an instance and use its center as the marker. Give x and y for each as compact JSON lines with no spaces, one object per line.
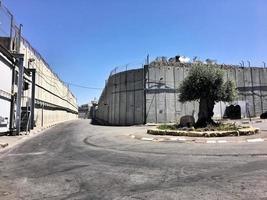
{"x":54,"y":102}
{"x":122,"y":100}
{"x":162,"y":96}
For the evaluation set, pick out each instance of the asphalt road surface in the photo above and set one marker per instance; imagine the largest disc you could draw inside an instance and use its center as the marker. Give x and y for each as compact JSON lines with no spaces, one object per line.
{"x":77,"y":160}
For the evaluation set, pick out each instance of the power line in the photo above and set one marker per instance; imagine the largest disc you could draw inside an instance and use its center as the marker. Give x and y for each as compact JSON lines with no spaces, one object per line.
{"x":82,"y":86}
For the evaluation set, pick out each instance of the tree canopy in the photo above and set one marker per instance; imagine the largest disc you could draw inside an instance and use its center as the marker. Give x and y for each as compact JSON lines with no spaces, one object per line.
{"x":206,"y":84}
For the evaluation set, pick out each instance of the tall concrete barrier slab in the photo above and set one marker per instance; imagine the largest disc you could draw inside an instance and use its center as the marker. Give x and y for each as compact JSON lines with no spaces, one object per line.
{"x":124,"y":97}
{"x":152,"y":95}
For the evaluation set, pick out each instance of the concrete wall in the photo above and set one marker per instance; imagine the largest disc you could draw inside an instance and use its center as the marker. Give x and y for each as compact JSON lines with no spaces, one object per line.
{"x":162,"y":84}
{"x":54,"y":102}
{"x":45,"y":117}
{"x":5,"y":92}
{"x":122,"y":100}
{"x":49,"y":91}
{"x":162,"y":103}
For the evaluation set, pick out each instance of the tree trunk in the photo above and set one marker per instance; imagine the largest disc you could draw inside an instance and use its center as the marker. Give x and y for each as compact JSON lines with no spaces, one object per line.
{"x":205,"y":112}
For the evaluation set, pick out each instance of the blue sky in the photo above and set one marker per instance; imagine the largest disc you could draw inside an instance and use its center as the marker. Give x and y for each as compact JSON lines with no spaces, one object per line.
{"x":83,"y":40}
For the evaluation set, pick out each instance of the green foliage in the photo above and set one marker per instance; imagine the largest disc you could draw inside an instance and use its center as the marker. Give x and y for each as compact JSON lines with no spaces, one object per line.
{"x":167,"y":127}
{"x":229,"y":93}
{"x":206,"y":82}
{"x":220,"y":127}
{"x":217,"y":127}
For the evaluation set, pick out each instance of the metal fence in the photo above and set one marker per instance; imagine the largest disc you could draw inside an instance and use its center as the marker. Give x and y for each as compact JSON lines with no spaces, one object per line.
{"x":126,"y":67}
{"x":10,"y":32}
{"x":11,"y":38}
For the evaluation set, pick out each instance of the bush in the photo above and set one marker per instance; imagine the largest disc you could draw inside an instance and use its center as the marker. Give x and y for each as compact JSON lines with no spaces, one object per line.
{"x":217,"y":127}
{"x":167,"y":127}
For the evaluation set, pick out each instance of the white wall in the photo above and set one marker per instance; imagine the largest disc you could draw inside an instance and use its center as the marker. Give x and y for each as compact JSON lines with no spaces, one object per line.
{"x":5,"y":90}
{"x":5,"y":77}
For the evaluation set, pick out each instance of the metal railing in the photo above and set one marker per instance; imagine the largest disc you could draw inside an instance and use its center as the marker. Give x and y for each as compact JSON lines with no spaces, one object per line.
{"x":10,"y":32}
{"x":5,"y":94}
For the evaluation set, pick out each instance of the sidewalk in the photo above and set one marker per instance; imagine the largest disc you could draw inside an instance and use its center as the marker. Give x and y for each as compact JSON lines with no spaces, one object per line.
{"x":6,"y":142}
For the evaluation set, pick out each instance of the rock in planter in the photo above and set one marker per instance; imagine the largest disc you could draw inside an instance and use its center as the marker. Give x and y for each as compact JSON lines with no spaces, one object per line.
{"x":3,"y":145}
{"x":263,"y":115}
{"x":187,"y":121}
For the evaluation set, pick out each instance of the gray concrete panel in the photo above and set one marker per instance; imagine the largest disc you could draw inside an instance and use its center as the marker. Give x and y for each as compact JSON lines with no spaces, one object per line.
{"x":125,"y":94}
{"x":139,"y":102}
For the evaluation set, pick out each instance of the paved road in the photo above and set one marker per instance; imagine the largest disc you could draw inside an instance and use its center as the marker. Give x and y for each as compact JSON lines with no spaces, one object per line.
{"x":76,"y":160}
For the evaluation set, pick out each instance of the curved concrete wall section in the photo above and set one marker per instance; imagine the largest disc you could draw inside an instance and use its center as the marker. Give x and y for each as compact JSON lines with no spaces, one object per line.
{"x":122,"y":101}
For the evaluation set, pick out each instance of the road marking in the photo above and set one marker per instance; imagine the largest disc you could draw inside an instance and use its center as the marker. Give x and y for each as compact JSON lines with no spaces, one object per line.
{"x":174,"y":139}
{"x":24,"y":154}
{"x":159,"y":140}
{"x":222,"y":141}
{"x":182,"y":139}
{"x":147,"y":139}
{"x":211,"y":141}
{"x":259,"y":121}
{"x":132,"y":136}
{"x":255,"y":140}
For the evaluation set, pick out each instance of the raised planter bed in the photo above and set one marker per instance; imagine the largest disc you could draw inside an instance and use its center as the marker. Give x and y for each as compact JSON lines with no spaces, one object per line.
{"x":193,"y":133}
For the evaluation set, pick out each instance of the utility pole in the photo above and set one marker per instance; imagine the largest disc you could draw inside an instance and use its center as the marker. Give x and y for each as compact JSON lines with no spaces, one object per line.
{"x":33,"y":72}
{"x":20,"y":59}
{"x":147,"y":59}
{"x":244,"y":85}
{"x":252,"y":89}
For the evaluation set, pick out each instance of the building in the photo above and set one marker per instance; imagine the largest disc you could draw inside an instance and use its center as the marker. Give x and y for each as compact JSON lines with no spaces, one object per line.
{"x":31,"y":94}
{"x":87,"y":111}
{"x":150,"y":94}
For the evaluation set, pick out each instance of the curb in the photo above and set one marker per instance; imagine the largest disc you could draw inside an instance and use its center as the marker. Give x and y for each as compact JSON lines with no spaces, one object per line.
{"x":3,"y":145}
{"x":191,"y":140}
{"x":244,"y":131}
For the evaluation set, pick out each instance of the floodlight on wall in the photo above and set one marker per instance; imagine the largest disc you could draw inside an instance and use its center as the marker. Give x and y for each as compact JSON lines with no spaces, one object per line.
{"x":30,"y":60}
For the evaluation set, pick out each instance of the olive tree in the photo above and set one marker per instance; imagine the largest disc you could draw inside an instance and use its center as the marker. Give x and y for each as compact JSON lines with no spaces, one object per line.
{"x":205,"y":84}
